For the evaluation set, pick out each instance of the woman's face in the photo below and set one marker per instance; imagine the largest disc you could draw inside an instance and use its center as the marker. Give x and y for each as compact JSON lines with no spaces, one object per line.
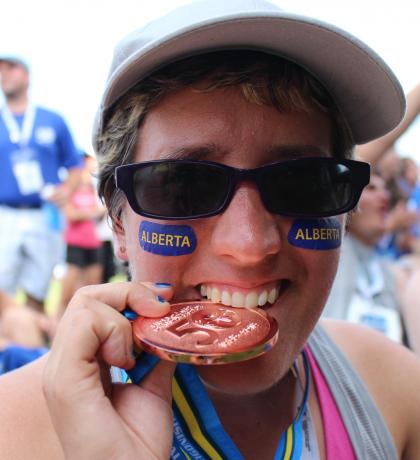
{"x":369,"y":223}
{"x":242,"y":255}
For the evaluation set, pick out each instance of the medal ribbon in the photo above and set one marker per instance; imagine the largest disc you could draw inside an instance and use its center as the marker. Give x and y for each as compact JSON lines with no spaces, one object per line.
{"x":198,"y":432}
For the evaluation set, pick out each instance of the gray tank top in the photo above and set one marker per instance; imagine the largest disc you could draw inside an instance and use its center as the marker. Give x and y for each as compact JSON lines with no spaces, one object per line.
{"x":365,"y":426}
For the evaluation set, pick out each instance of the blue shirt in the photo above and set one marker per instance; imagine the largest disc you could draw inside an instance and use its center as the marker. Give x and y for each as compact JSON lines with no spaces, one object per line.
{"x":15,"y":356}
{"x":50,"y":145}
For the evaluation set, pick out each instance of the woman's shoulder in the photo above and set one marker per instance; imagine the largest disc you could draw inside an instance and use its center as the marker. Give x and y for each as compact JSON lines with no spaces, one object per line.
{"x":365,"y":348}
{"x":26,"y":431}
{"x":391,"y":374}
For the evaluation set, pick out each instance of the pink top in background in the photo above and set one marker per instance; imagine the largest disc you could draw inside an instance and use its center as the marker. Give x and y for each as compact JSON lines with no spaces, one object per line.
{"x":82,"y":233}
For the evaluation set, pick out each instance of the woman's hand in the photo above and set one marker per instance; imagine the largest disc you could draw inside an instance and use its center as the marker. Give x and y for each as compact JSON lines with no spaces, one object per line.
{"x":94,"y":418}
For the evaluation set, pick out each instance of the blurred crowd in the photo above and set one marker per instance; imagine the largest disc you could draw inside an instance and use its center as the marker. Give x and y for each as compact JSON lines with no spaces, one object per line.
{"x":54,"y":229}
{"x":54,"y":232}
{"x":378,"y":279}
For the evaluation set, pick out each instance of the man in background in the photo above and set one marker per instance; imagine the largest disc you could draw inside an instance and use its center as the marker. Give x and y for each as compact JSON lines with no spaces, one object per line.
{"x":35,"y":146}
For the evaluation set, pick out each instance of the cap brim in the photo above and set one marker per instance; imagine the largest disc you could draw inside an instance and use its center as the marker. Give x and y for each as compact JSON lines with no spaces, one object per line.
{"x":15,"y":60}
{"x":362,"y":85}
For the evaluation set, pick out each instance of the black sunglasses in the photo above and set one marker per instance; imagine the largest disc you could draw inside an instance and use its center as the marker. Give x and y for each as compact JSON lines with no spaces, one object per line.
{"x":188,"y":189}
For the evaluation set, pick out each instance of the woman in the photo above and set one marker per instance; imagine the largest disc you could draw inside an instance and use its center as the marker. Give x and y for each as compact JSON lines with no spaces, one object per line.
{"x":182,"y":90}
{"x":83,"y":244}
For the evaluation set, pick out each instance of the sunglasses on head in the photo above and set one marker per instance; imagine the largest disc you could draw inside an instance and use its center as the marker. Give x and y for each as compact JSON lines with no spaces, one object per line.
{"x":189,"y":189}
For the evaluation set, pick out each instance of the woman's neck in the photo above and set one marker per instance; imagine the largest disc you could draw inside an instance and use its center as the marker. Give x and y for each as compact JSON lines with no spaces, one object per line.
{"x":254,"y":419}
{"x":283,"y":389}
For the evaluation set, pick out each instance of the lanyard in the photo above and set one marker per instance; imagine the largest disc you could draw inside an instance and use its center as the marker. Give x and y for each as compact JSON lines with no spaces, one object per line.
{"x":198,"y":433}
{"x":372,"y":283}
{"x":17,"y":135}
{"x":370,"y":279}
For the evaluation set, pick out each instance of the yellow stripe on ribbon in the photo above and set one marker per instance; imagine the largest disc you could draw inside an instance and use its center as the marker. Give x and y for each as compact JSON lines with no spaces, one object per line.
{"x":289,"y":444}
{"x":192,"y":422}
{"x":186,"y":455}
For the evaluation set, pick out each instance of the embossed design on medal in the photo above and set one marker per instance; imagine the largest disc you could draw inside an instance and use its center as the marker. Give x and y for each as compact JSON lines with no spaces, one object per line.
{"x":207,"y":333}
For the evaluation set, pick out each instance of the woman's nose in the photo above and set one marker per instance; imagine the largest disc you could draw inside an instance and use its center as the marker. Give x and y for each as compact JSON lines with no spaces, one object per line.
{"x":246,"y":231}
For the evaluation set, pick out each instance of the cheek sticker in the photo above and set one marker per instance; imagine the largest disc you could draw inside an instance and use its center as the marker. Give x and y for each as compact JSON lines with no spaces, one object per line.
{"x":167,"y":240}
{"x":318,"y":234}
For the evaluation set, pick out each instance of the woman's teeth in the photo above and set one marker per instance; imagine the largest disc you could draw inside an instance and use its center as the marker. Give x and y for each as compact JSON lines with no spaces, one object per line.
{"x":238,"y":299}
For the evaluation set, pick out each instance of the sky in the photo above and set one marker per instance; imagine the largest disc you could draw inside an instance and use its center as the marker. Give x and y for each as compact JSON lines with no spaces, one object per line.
{"x":69,"y":46}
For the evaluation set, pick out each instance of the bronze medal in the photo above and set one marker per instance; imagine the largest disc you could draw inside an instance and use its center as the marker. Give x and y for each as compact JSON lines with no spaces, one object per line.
{"x":207,"y":333}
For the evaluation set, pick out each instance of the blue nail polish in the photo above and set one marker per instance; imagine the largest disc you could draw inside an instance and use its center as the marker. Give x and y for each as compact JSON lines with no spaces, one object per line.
{"x":160,"y":299}
{"x":163,"y":285}
{"x":129,"y":314}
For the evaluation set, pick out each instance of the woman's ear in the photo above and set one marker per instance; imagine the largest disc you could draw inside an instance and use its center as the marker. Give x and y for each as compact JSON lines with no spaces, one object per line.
{"x":120,"y":246}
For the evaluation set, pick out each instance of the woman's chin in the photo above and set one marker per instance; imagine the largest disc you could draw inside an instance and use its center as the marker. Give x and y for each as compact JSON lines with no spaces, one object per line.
{"x":244,"y":378}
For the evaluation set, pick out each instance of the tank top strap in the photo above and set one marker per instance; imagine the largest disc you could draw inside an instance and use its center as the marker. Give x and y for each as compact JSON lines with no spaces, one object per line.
{"x":337,"y":441}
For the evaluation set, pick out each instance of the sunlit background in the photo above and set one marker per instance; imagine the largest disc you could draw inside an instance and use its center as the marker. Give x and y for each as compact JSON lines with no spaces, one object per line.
{"x":69,"y":45}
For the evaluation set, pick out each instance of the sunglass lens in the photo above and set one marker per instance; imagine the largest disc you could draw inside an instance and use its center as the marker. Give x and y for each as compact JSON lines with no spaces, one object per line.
{"x":308,"y":188}
{"x":180,"y":190}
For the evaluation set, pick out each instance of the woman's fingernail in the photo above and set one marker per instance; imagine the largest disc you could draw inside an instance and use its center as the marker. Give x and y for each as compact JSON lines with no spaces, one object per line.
{"x":129,"y":314}
{"x":163,"y":284}
{"x":160,"y":299}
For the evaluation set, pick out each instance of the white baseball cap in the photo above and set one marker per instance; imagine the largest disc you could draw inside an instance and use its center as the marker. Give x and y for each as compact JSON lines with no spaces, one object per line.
{"x":15,"y":59}
{"x":362,"y":85}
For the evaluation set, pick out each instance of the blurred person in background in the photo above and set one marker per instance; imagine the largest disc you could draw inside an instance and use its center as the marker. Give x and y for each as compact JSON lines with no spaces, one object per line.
{"x":82,"y":212}
{"x":35,"y":144}
{"x":24,"y":333}
{"x":20,"y":324}
{"x":369,"y":288}
{"x":365,"y":290}
{"x":110,"y":265}
{"x":388,"y":164}
{"x":400,"y":175}
{"x":403,"y":238}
